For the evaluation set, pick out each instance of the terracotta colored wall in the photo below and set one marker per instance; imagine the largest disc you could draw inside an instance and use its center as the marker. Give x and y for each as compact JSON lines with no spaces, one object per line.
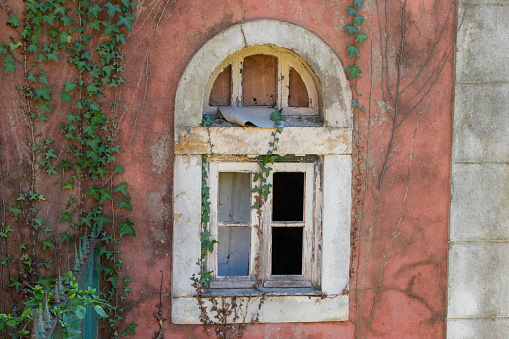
{"x":399,"y":230}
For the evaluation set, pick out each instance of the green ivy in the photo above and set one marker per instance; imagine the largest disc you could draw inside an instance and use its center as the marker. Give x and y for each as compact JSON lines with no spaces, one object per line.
{"x":89,"y":37}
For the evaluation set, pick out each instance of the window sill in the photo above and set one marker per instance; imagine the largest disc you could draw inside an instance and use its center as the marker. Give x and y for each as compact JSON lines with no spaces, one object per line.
{"x":278,"y":306}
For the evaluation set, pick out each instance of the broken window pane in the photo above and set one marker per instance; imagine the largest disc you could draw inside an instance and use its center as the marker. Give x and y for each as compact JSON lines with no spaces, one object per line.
{"x":259,"y":80}
{"x":298,"y":94}
{"x":233,"y":251}
{"x":288,"y":196}
{"x":221,"y":92}
{"x":286,"y":250}
{"x":234,"y":197}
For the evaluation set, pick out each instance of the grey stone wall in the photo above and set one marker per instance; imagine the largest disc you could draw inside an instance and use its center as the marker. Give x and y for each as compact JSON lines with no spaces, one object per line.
{"x":478,"y":282}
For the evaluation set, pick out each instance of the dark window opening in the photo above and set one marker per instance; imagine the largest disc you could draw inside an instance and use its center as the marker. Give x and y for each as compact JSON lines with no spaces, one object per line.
{"x":259,"y":80}
{"x":288,"y":196}
{"x":286,"y":250}
{"x":221,"y":92}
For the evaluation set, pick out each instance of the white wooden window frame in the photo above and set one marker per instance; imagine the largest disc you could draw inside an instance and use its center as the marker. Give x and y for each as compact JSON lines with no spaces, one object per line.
{"x":311,"y":228}
{"x":285,"y":61}
{"x":332,"y":142}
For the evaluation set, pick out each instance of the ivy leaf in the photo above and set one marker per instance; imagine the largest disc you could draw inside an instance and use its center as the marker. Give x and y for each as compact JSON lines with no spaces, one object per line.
{"x":126,"y":203}
{"x":93,"y":191}
{"x":15,"y":209}
{"x":68,"y":185}
{"x":126,"y":227}
{"x":9,"y":65}
{"x":94,"y":11}
{"x":105,"y":194}
{"x":352,"y":50}
{"x":352,"y":11}
{"x":69,"y":86}
{"x":100,"y":220}
{"x":126,"y":21}
{"x":48,"y":243}
{"x":358,"y":3}
{"x":13,"y":21}
{"x":43,"y":92}
{"x":351,"y":29}
{"x":65,"y":216}
{"x":109,"y":28}
{"x":66,"y":97}
{"x":64,"y":236}
{"x":15,"y":283}
{"x":112,"y":9}
{"x":354,"y":71}
{"x":119,"y":169}
{"x":360,"y":38}
{"x":121,"y":188}
{"x":358,"y":20}
{"x":128,"y":4}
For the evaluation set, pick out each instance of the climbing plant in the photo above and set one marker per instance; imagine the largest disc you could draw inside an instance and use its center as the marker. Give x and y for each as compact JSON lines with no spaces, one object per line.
{"x":64,"y":58}
{"x":230,"y":317}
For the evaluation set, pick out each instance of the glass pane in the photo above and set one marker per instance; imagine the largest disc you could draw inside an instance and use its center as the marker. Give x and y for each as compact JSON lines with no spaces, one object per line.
{"x":298,"y":96}
{"x":259,"y":80}
{"x":288,"y":196}
{"x":221,"y":92}
{"x":233,"y":251}
{"x":234,"y":197}
{"x":286,"y":250}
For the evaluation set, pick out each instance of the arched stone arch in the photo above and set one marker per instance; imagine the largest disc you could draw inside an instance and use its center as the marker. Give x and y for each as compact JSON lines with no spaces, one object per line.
{"x":333,"y":85}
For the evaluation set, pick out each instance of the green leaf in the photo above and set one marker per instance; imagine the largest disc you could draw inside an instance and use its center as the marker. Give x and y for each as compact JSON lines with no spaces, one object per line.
{"x":351,"y":29}
{"x":354,"y":71}
{"x":43,"y":92}
{"x":66,"y":97}
{"x":15,"y":283}
{"x":64,"y":236}
{"x":112,"y":9}
{"x":13,"y":46}
{"x":48,"y":243}
{"x":126,"y":203}
{"x":68,"y":185}
{"x":65,"y":217}
{"x":352,"y":11}
{"x":15,"y":209}
{"x":126,"y":227}
{"x":69,"y":86}
{"x":80,"y":311}
{"x":100,"y":311}
{"x":100,"y":220}
{"x":358,"y":3}
{"x":119,"y":169}
{"x":360,"y":38}
{"x":110,"y":28}
{"x":94,"y":11}
{"x":352,"y":50}
{"x":9,"y":65}
{"x":13,"y":21}
{"x":358,"y":20}
{"x":121,"y":188}
{"x":126,"y":21}
{"x":105,"y":194}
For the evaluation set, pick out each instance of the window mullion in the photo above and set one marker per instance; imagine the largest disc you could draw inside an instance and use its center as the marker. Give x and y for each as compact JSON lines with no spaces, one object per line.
{"x":237,"y":99}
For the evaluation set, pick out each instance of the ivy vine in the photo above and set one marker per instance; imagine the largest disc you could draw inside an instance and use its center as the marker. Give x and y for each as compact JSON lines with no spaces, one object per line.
{"x":88,"y":36}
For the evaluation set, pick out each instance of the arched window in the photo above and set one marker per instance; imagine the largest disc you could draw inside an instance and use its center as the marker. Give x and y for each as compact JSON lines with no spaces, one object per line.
{"x":302,"y":258}
{"x":262,"y":76}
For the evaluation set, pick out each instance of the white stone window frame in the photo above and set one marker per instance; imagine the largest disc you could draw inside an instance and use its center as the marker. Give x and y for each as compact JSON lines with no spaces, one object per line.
{"x":311,"y":226}
{"x":285,"y":61}
{"x":331,"y":141}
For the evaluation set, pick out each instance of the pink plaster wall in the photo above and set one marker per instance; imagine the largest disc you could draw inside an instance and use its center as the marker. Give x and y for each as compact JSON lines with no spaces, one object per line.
{"x":398,"y":281}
